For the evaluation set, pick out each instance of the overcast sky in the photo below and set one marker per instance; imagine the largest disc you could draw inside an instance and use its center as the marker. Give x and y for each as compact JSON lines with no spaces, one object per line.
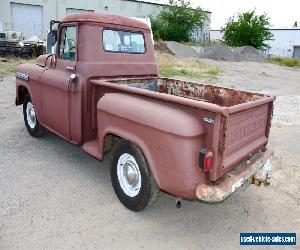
{"x":282,"y":14}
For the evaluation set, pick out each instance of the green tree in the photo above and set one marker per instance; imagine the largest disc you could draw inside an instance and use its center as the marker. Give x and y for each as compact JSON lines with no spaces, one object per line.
{"x":248,"y":29}
{"x":177,"y":21}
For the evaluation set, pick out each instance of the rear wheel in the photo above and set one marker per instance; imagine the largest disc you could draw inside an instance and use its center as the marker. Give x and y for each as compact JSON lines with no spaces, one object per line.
{"x":31,"y":121}
{"x":131,"y":177}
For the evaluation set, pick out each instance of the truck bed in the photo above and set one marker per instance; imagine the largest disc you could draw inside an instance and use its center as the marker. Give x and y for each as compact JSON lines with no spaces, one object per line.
{"x":223,"y":97}
{"x":237,"y":122}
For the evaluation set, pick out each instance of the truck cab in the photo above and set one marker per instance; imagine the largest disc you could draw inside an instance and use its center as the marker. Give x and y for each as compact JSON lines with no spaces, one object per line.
{"x":81,"y":54}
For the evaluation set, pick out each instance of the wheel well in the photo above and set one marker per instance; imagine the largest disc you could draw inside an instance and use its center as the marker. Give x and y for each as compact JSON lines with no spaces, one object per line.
{"x":22,"y":93}
{"x":110,"y":141}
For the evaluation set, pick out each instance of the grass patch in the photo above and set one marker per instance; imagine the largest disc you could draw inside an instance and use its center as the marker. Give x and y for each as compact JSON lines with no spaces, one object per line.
{"x":284,"y":61}
{"x":8,"y":68}
{"x":171,"y":66}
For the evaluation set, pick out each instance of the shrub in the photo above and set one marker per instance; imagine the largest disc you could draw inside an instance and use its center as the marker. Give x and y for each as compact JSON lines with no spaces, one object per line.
{"x":177,"y":21}
{"x":248,"y":29}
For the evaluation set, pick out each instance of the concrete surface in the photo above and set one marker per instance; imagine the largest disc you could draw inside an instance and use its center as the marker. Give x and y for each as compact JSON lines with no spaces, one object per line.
{"x":53,"y":196}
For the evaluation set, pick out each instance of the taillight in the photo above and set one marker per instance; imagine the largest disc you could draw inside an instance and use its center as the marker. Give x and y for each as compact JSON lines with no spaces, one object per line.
{"x":206,"y":159}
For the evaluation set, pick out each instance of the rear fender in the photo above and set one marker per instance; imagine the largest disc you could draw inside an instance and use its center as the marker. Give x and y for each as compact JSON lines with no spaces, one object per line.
{"x":170,"y":138}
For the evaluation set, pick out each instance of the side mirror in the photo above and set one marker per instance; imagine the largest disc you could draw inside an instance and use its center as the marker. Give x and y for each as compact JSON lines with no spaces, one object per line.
{"x":51,"y":40}
{"x":52,"y":36}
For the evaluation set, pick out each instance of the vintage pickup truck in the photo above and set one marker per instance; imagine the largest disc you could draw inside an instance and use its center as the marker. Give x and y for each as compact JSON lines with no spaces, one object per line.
{"x":101,"y":90}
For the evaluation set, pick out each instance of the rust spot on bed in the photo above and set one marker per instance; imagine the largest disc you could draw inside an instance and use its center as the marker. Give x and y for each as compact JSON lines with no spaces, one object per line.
{"x":222,"y":138}
{"x":223,"y":97}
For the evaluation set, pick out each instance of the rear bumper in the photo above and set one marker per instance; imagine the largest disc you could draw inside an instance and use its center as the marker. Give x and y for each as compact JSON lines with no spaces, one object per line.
{"x":256,"y":172}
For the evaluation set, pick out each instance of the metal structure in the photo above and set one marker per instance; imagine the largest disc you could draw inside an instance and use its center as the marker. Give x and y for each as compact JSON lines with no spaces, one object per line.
{"x":33,"y":16}
{"x":285,"y":42}
{"x":13,"y":43}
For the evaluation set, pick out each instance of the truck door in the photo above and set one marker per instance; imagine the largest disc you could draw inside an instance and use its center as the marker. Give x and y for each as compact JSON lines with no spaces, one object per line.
{"x":56,"y":83}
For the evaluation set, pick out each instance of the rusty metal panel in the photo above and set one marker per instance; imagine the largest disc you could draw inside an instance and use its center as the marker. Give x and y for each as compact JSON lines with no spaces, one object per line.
{"x":223,"y":97}
{"x":245,"y":134}
{"x":254,"y":172}
{"x":236,"y":136}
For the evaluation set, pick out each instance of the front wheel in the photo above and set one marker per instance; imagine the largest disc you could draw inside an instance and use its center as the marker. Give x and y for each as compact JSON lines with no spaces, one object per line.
{"x":131,"y":177}
{"x":31,"y":121}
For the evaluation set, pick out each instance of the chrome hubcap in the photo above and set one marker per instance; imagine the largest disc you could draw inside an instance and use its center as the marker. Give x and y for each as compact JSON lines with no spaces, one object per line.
{"x":30,"y":113}
{"x":129,"y":175}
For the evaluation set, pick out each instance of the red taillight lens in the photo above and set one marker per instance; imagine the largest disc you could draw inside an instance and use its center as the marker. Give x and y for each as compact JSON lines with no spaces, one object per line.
{"x":206,"y":159}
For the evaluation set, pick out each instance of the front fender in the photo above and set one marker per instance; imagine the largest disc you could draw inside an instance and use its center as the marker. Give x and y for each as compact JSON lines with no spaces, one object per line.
{"x":32,"y":84}
{"x":170,"y":138}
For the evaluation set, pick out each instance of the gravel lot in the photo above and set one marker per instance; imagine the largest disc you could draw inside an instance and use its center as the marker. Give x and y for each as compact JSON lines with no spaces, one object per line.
{"x":54,"y":196}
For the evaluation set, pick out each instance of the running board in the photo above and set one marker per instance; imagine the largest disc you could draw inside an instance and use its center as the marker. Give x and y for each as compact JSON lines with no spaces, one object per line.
{"x":92,"y":148}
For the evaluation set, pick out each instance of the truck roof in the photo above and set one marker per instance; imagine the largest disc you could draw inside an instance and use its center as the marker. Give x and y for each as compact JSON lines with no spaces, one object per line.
{"x":104,"y":18}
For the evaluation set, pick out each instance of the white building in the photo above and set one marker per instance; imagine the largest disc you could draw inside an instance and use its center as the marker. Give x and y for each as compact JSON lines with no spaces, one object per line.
{"x":285,"y":42}
{"x":32,"y":17}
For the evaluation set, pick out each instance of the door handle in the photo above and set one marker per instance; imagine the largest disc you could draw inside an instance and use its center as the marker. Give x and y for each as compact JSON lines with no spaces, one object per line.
{"x":73,"y":79}
{"x":70,"y":69}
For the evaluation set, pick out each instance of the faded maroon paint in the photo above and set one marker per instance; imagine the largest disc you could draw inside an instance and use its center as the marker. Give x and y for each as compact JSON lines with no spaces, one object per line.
{"x":219,"y":136}
{"x":92,"y":62}
{"x":167,"y":124}
{"x":170,"y":147}
{"x":107,"y":20}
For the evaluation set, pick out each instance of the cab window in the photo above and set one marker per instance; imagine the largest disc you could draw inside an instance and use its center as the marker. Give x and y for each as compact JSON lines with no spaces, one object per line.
{"x":67,"y":47}
{"x":123,"y":41}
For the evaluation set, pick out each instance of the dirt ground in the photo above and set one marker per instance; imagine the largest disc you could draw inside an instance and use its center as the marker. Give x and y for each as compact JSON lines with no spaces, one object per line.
{"x":54,"y":196}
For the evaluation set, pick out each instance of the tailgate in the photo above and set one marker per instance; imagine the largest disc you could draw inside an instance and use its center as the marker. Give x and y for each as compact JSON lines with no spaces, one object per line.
{"x":246,"y":133}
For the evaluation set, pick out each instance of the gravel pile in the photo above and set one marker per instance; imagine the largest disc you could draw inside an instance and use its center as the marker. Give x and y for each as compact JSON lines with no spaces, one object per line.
{"x":181,"y":50}
{"x":220,"y":53}
{"x":216,"y":52}
{"x":250,"y":54}
{"x":226,"y":53}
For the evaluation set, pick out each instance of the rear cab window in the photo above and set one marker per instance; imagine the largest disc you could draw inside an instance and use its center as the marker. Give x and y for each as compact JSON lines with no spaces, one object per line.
{"x":123,"y":41}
